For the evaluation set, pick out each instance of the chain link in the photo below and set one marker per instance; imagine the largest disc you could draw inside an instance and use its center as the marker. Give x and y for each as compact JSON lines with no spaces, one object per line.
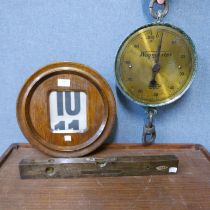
{"x":161,"y":13}
{"x":149,"y":132}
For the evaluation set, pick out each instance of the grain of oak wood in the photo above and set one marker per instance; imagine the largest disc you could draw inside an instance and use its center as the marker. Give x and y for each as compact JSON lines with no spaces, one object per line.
{"x":189,"y":189}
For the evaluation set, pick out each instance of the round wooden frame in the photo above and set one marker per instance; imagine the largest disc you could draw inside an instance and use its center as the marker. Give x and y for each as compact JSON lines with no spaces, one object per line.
{"x":33,"y":109}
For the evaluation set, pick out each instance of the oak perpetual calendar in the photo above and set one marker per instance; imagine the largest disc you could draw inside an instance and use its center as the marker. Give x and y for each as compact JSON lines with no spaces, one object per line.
{"x":66,"y":109}
{"x":155,"y":66}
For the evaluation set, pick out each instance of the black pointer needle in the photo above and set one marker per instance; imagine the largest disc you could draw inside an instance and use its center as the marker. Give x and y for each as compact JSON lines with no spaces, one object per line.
{"x":156,"y":66}
{"x":155,"y":70}
{"x":157,"y":60}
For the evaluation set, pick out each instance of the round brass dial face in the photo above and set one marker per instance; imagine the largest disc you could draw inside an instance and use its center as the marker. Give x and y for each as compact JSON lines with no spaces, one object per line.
{"x":155,"y":65}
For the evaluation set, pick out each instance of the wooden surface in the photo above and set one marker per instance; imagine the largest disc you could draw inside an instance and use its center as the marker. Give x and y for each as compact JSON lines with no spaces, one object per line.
{"x":189,"y":189}
{"x":33,"y":109}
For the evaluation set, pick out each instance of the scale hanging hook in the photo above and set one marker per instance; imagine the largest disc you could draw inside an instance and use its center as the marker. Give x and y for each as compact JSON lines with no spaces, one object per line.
{"x":149,"y":132}
{"x":161,"y":13}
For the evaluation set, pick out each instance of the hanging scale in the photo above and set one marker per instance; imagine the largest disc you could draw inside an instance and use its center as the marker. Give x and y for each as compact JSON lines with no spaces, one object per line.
{"x":155,"y":66}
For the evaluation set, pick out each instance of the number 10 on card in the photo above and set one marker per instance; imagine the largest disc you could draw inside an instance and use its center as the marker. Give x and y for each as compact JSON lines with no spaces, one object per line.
{"x":68,"y":112}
